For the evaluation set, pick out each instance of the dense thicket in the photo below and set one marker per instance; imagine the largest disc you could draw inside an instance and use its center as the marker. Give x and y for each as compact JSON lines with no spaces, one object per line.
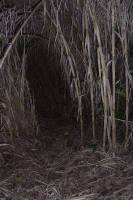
{"x":93,"y":43}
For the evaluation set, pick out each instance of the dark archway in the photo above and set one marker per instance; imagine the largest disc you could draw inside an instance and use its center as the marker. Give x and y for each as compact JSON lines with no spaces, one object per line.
{"x":45,"y":77}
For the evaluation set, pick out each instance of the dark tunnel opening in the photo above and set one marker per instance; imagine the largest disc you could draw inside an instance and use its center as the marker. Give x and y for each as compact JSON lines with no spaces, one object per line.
{"x":47,"y":86}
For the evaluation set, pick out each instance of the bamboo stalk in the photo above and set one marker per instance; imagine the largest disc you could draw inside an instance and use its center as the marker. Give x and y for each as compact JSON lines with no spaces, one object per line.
{"x":89,"y":71}
{"x":127,"y":87}
{"x":113,"y":77}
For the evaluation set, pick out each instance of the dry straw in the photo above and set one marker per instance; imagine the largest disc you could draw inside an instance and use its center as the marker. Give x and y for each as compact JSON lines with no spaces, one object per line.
{"x":92,"y":39}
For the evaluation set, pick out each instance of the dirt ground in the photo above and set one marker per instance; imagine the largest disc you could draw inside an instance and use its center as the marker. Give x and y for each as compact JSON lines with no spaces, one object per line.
{"x":53,"y":167}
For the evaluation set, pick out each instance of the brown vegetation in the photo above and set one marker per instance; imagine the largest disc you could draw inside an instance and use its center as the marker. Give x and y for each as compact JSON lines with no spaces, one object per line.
{"x":68,"y":60}
{"x":92,"y":41}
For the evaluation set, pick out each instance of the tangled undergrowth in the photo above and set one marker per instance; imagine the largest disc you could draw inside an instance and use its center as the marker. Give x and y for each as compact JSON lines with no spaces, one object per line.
{"x":95,"y":61}
{"x":90,"y":50}
{"x":50,"y":168}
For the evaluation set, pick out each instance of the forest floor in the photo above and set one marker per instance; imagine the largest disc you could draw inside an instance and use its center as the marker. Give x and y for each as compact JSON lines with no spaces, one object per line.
{"x":52,"y":167}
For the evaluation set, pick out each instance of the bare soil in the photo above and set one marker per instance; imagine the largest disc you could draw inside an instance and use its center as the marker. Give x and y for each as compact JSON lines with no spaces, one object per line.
{"x":52,"y":166}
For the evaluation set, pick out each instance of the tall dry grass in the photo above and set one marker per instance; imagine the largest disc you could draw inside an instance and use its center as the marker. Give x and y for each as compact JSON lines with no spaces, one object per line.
{"x":92,"y":39}
{"x":17,"y":106}
{"x":100,"y":34}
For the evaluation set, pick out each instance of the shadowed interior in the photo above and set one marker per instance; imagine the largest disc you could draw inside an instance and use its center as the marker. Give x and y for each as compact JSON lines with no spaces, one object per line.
{"x":44,"y":74}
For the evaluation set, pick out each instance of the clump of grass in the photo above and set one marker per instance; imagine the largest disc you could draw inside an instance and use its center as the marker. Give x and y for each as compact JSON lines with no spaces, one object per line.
{"x":17,"y":107}
{"x":100,"y":34}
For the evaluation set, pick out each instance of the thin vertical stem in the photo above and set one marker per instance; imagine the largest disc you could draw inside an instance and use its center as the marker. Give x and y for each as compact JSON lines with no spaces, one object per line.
{"x":113,"y":77}
{"x":127,"y":86}
{"x":81,"y":120}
